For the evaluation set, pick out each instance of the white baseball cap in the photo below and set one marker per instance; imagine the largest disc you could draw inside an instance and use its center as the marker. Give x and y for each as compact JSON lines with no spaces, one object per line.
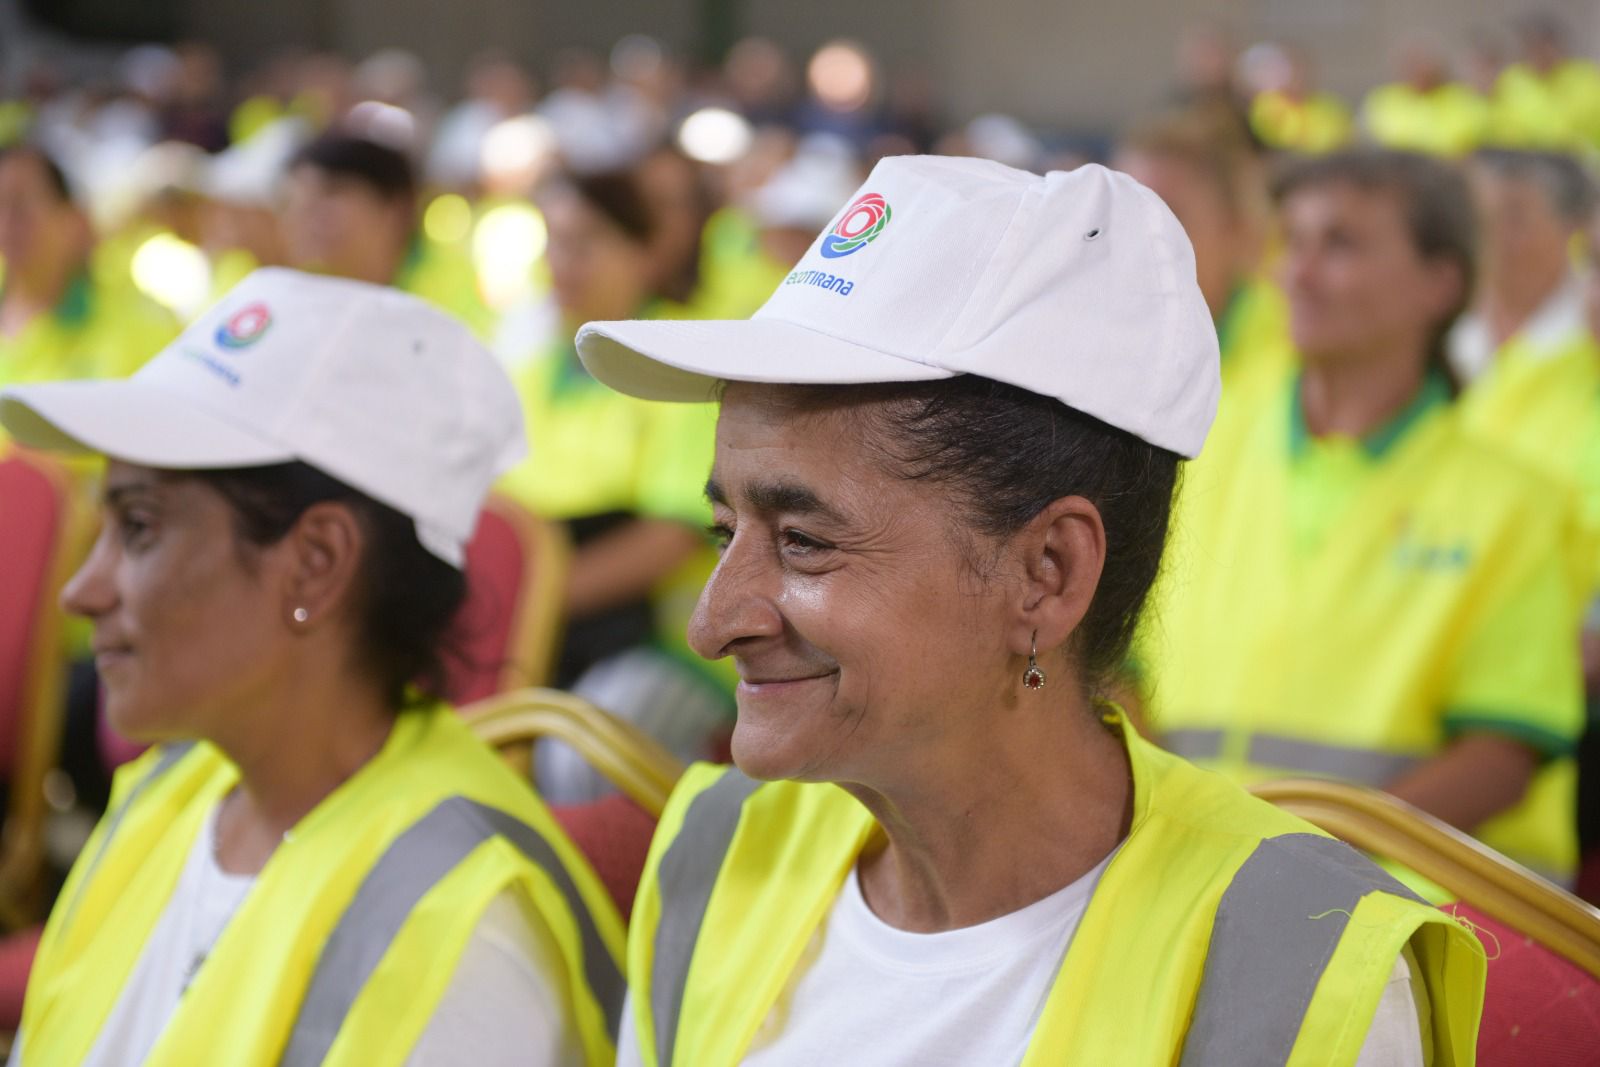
{"x":368,"y":384}
{"x":1078,"y":285}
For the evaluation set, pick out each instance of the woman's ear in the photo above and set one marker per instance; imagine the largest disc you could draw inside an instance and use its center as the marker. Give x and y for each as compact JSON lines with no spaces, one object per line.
{"x":323,"y":554}
{"x":1063,"y":552}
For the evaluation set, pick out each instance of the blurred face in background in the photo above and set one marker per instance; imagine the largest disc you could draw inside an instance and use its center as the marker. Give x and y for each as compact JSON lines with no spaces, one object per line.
{"x":339,"y":224}
{"x":1358,"y":287}
{"x":1224,"y":243}
{"x":1525,"y":239}
{"x":1591,"y":295}
{"x":597,"y":271}
{"x":38,"y":228}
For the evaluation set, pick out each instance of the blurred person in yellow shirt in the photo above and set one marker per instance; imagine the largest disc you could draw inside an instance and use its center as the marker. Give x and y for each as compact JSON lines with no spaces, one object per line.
{"x":1525,"y":346}
{"x":1287,"y":111}
{"x":58,"y":318}
{"x":1203,"y":166}
{"x":1423,"y":110}
{"x":627,"y":478}
{"x":1549,"y":99}
{"x":351,"y":210}
{"x":1359,"y":588}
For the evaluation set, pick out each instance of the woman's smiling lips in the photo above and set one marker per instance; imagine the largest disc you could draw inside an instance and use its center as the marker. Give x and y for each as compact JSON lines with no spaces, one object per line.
{"x":762,"y":686}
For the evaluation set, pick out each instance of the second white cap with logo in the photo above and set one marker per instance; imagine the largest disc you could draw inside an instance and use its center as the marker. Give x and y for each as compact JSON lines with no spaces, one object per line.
{"x":1078,"y":285}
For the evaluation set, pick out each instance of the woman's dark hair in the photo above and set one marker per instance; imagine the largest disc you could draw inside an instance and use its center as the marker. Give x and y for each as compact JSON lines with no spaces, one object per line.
{"x":1434,"y":198}
{"x":407,"y":598}
{"x":619,"y":196}
{"x":54,"y":177}
{"x":1004,"y":454}
{"x":383,"y":169}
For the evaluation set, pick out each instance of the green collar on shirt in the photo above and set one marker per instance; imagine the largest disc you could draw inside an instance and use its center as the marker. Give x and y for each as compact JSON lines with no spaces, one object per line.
{"x":1228,"y":321}
{"x":1435,"y":392}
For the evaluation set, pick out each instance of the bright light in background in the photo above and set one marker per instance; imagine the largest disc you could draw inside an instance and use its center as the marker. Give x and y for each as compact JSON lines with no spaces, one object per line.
{"x":715,"y":135}
{"x":507,"y":243}
{"x":516,"y":148}
{"x":174,"y":273}
{"x":448,"y":219}
{"x":841,"y":75}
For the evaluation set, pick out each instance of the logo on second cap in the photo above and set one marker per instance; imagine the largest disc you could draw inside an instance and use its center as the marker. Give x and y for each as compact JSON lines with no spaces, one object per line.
{"x":244,"y":327}
{"x":860,"y":225}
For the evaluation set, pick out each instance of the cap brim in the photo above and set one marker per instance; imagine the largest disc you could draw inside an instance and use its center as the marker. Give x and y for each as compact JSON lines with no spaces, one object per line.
{"x":132,"y":421}
{"x":677,"y":360}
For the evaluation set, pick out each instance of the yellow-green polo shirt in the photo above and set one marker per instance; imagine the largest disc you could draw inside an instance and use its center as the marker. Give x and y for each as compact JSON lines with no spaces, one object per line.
{"x":1346,"y":607}
{"x":594,"y":451}
{"x":1319,"y":123}
{"x":1447,"y":120}
{"x":1544,"y":407}
{"x":94,"y":331}
{"x":1559,"y":110}
{"x":1253,"y":334}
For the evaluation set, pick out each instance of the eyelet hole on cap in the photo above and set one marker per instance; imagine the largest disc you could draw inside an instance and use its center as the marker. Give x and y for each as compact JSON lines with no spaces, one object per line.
{"x":1092,"y":234}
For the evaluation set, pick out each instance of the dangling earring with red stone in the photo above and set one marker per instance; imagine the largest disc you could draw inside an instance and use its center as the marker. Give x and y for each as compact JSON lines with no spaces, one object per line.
{"x":1033,"y":677}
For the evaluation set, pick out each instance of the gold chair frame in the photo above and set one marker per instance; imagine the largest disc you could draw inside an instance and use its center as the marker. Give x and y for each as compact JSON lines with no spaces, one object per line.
{"x":636,"y":764}
{"x":1385,"y":826}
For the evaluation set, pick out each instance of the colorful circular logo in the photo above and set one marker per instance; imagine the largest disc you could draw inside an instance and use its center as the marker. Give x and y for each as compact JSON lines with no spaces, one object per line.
{"x":860,"y":225}
{"x":244,"y":327}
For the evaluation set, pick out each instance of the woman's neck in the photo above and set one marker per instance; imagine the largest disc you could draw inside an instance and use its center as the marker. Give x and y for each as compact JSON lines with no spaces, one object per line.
{"x":1020,"y":811}
{"x":1511,"y":299}
{"x":1355,"y":397}
{"x":291,"y":756}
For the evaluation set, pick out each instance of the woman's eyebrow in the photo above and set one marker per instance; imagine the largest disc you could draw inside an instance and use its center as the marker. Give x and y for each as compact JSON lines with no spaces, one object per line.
{"x":772,"y":497}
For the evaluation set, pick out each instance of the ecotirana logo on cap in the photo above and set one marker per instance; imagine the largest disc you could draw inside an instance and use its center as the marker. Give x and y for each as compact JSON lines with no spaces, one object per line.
{"x":861,"y":224}
{"x":245,"y":326}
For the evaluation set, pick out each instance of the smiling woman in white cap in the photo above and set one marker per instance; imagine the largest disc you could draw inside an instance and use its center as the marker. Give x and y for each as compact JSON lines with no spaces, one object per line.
{"x":316,"y":863}
{"x":944,"y":465}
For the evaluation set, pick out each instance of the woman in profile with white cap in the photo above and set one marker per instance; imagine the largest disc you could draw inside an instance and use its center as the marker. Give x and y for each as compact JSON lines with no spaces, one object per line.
{"x":317,"y":863}
{"x":945,"y":458}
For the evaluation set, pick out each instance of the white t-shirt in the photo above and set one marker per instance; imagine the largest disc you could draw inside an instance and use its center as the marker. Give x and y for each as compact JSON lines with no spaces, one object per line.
{"x":865,"y":992}
{"x":508,"y":1004}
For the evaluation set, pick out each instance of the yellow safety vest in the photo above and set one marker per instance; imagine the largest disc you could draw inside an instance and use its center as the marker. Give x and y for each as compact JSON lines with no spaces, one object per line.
{"x":1318,"y":123}
{"x":1559,"y":110}
{"x":1345,"y":608}
{"x":1544,"y":407}
{"x":1253,"y":335}
{"x":97,"y":330}
{"x":1224,"y":931}
{"x":351,"y":934}
{"x":1448,"y":120}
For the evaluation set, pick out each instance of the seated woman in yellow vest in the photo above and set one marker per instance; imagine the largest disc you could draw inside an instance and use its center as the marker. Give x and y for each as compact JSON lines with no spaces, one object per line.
{"x":945,"y":456}
{"x":1202,"y":165}
{"x":625,"y":477}
{"x":316,"y":863}
{"x":57,"y":319}
{"x":1532,"y":364}
{"x":1359,"y":588}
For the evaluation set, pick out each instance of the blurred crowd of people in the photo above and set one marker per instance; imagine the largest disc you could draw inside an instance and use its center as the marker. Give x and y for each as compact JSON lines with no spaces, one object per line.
{"x":1357,"y":291}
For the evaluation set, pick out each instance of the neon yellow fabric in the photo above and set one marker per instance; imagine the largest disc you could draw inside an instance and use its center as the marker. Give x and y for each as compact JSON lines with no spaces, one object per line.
{"x":443,"y":275}
{"x":736,"y":276}
{"x":1448,"y":120}
{"x":1381,"y":596}
{"x":1319,"y":123}
{"x":1253,"y":334}
{"x":593,"y":451}
{"x":1559,"y":110}
{"x":1544,"y":407}
{"x":244,"y":1000}
{"x":95,"y":331}
{"x":1139,"y":952}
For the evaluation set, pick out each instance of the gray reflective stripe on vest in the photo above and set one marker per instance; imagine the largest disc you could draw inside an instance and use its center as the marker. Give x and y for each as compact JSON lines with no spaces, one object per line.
{"x":1275,"y":930}
{"x":414,"y":863}
{"x":171,"y":753}
{"x":1193,"y":744}
{"x":1365,"y":765}
{"x":688,"y":871}
{"x":1368,"y":766}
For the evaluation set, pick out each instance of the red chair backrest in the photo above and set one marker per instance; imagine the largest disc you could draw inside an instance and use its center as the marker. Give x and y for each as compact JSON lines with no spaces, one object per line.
{"x":496,"y":573}
{"x":1538,"y":1008}
{"x":614,"y":835}
{"x":33,"y":512}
